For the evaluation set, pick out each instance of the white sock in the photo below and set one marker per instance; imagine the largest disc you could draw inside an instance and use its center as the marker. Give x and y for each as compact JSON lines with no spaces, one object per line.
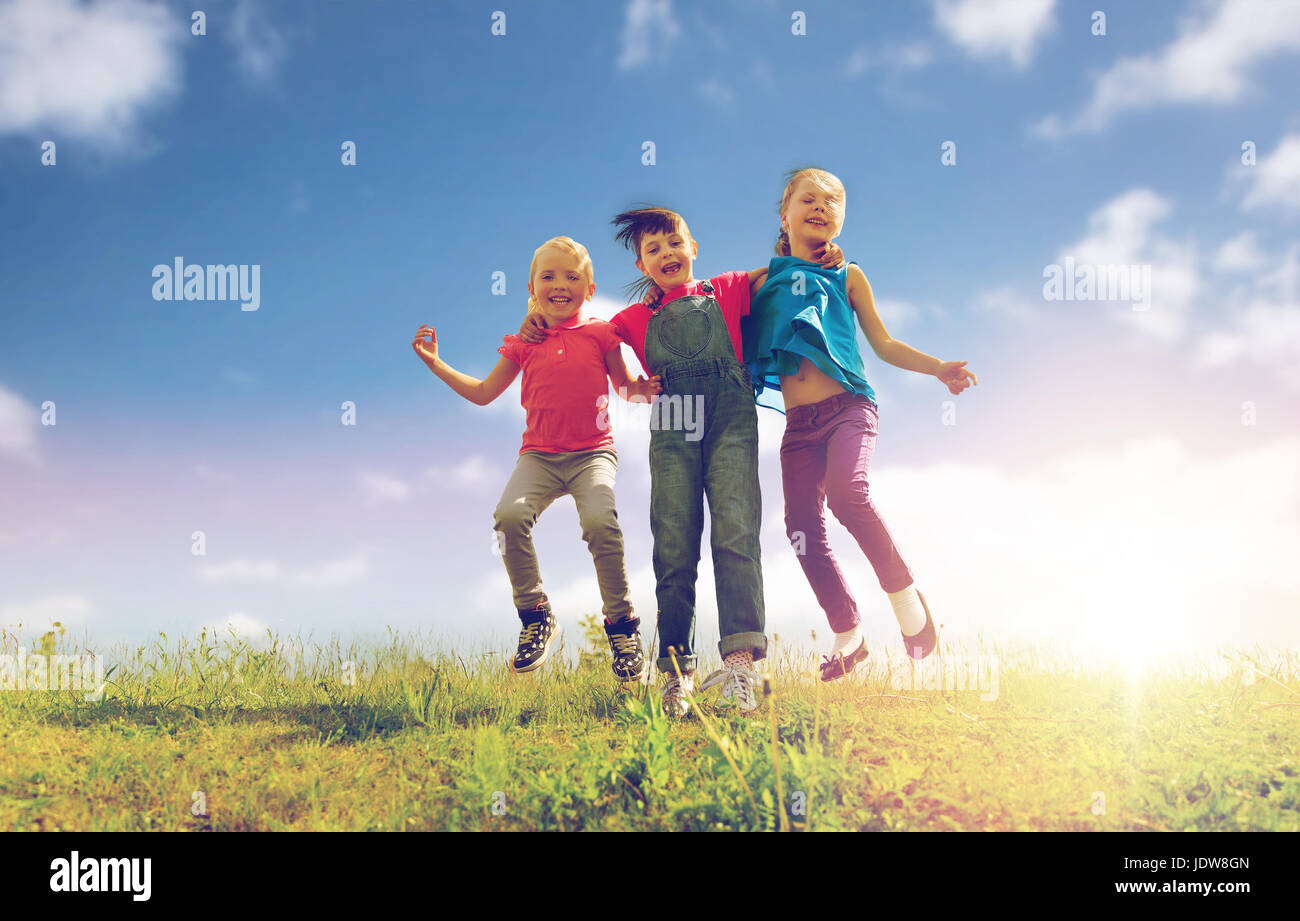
{"x":908,"y":610}
{"x":847,"y":642}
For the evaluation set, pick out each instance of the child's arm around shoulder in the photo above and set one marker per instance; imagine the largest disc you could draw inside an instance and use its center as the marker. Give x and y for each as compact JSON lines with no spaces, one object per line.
{"x":829,"y":255}
{"x":895,"y":351}
{"x":479,"y":392}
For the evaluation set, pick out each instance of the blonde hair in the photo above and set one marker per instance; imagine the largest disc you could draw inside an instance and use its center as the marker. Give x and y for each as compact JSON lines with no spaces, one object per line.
{"x":567,"y":245}
{"x":824,"y":182}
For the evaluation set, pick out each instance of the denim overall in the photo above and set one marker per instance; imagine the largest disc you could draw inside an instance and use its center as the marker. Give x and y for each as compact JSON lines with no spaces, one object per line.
{"x":714,"y":454}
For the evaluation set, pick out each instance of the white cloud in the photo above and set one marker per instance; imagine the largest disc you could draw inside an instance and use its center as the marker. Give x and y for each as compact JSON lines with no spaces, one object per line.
{"x":1006,"y":301}
{"x":68,"y":609}
{"x":649,"y":27}
{"x":896,"y":315}
{"x":259,"y":46}
{"x":206,"y":472}
{"x":346,"y":571}
{"x":1101,"y":548}
{"x":896,"y":59}
{"x":991,"y":29}
{"x":18,"y":427}
{"x":717,"y":93}
{"x":602,"y":308}
{"x":88,"y":71}
{"x":240,"y":571}
{"x":1209,"y":62}
{"x":238,"y":376}
{"x":1240,"y":254}
{"x":1275,"y":179}
{"x":471,"y":472}
{"x":1121,"y":233}
{"x":378,"y":487}
{"x":242,"y":625}
{"x":1265,"y":327}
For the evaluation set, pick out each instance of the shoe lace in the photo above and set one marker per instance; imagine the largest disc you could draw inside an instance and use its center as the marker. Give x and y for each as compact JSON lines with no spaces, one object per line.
{"x":675,"y":687}
{"x":624,"y":645}
{"x":529,"y":635}
{"x":736,"y":680}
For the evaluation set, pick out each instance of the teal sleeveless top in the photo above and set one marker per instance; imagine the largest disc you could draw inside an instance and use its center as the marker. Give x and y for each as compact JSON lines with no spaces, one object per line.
{"x":784,"y":327}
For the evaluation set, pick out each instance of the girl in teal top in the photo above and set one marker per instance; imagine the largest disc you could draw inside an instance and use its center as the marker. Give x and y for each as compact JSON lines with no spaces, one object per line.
{"x":802,"y":311}
{"x":800,"y":339}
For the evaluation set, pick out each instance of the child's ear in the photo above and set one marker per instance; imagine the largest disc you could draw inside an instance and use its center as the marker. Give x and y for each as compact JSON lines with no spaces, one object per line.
{"x":591,"y":290}
{"x":695,"y":249}
{"x":641,"y":267}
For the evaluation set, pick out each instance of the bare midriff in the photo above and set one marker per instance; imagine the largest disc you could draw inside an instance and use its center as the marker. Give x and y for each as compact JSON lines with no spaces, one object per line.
{"x":808,"y":385}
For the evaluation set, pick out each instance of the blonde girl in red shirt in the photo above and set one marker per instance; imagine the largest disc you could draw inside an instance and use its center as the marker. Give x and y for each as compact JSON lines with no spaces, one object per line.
{"x":568,"y":447}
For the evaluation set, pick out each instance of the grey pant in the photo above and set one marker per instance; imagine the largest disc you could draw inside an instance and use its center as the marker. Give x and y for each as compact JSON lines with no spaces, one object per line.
{"x":539,"y":479}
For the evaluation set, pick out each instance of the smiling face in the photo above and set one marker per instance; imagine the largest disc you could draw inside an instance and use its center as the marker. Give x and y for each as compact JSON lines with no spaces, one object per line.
{"x":812,"y":214}
{"x":559,"y":284}
{"x":667,"y":257}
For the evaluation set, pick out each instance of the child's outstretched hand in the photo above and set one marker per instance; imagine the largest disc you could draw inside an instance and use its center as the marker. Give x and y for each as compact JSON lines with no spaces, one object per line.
{"x":955,"y":375}
{"x":645,"y":388}
{"x":829,"y":255}
{"x":428,"y":351}
{"x":534,"y":328}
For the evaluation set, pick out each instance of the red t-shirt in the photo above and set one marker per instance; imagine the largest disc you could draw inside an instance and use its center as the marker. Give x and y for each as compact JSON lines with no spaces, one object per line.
{"x":731,"y":289}
{"x":563,"y":378}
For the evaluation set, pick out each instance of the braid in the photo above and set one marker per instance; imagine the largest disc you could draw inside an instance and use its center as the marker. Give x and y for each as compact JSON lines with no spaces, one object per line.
{"x":783,"y":244}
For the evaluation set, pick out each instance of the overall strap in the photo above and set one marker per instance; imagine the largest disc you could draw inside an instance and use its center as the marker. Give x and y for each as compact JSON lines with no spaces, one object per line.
{"x":705,"y":286}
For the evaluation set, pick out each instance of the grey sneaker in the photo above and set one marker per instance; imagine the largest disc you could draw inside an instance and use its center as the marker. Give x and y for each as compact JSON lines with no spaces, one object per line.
{"x":673,"y":695}
{"x":736,"y":684}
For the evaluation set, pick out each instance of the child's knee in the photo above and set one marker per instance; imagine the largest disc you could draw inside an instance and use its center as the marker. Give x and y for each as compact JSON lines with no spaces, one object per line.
{"x":848,"y":498}
{"x":513,"y":517}
{"x":800,"y":523}
{"x":601,"y":526}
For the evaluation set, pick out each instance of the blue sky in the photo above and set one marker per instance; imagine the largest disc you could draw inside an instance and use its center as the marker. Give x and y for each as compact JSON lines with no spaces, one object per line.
{"x":1102,"y":471}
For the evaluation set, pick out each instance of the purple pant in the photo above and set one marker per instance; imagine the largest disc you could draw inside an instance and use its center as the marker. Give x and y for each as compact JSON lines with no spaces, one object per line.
{"x":825,"y":455}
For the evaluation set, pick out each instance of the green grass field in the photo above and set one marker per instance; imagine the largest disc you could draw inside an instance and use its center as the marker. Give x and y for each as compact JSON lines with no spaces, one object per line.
{"x":215,"y":734}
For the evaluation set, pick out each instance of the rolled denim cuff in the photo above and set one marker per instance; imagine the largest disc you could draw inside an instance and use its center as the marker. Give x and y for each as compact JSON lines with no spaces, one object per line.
{"x":686,"y":664}
{"x":737,"y":642}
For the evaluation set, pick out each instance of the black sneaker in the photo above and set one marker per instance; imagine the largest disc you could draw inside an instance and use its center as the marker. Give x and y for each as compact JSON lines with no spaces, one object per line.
{"x":841,"y":665}
{"x":538,"y":632}
{"x":625,"y":644}
{"x":922,"y":644}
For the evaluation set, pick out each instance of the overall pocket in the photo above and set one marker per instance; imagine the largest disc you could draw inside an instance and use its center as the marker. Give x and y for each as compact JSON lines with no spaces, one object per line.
{"x":686,"y":333}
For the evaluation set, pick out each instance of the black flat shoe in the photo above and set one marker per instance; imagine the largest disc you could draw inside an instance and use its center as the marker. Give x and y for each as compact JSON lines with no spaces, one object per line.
{"x":840,"y":665}
{"x":922,"y":644}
